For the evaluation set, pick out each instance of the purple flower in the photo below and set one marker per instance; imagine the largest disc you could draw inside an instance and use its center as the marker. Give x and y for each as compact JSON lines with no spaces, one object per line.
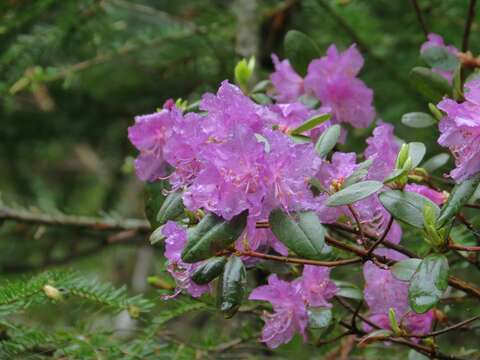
{"x":383,"y":150}
{"x":232,"y":178}
{"x":290,"y":166}
{"x":436,"y":196}
{"x":436,"y":41}
{"x":148,"y":135}
{"x":316,"y":286}
{"x":227,"y":111}
{"x":332,"y":79}
{"x":183,"y":147}
{"x":176,"y":238}
{"x":460,"y":131}
{"x":290,"y":314}
{"x":383,"y":292}
{"x":288,"y":84}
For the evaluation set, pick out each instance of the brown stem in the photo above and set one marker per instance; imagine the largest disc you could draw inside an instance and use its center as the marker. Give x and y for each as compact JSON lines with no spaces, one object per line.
{"x":382,"y":238}
{"x":359,"y":225}
{"x":292,"y":260}
{"x":468,"y":25}
{"x":420,"y":19}
{"x":447,"y":329}
{"x":454,"y":246}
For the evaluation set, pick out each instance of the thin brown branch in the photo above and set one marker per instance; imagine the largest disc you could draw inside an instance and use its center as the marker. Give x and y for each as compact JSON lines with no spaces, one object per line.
{"x":420,"y":19}
{"x":359,"y":225}
{"x":459,"y":247}
{"x":382,"y":238}
{"x":292,"y":260}
{"x":468,"y":25}
{"x":447,"y":329}
{"x":93,"y":223}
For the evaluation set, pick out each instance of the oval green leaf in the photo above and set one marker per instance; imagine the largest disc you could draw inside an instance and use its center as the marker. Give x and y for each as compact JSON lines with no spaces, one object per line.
{"x":418,"y":120}
{"x":416,"y":151}
{"x":440,"y":58}
{"x":404,"y":269}
{"x":460,"y":195}
{"x":304,"y":235}
{"x":436,"y":162}
{"x":208,"y":271}
{"x":431,"y":85}
{"x":211,"y":235}
{"x":319,"y":318}
{"x":327,"y":141}
{"x":406,"y":206}
{"x":154,"y":198}
{"x":428,"y":283}
{"x":311,"y":123}
{"x":233,"y":285}
{"x":171,"y":209}
{"x":300,"y":50}
{"x":353,"y":193}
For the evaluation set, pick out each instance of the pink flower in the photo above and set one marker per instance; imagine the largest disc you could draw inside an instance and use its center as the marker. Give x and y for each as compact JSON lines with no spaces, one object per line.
{"x":149,"y":135}
{"x":288,"y":84}
{"x":436,"y":196}
{"x":180,"y":271}
{"x":436,"y":41}
{"x":332,"y":79}
{"x":460,"y":131}
{"x":317,"y":287}
{"x":290,"y":314}
{"x":383,"y":292}
{"x":290,"y":301}
{"x":383,"y":150}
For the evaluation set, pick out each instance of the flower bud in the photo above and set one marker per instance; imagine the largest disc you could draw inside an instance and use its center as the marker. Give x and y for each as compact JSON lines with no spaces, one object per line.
{"x":52,"y":292}
{"x":402,"y":156}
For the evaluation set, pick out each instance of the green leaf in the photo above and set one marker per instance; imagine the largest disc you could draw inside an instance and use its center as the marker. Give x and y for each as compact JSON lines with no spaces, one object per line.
{"x":348,"y":290}
{"x":460,"y":195}
{"x":436,"y":162}
{"x":416,"y":151}
{"x":414,"y":355}
{"x":300,"y":50}
{"x":306,"y":237}
{"x":404,"y":269}
{"x":354,"y":193}
{"x":440,"y":58}
{"x":301,"y":139}
{"x":431,"y":85}
{"x":264,"y":140}
{"x":406,"y":206}
{"x":154,"y":198}
{"x":171,"y":209}
{"x":358,"y":174}
{"x":261,"y":99}
{"x":261,"y":86}
{"x":319,"y":318}
{"x":209,"y":270}
{"x":418,"y":120}
{"x":327,"y":141}
{"x":311,"y":123}
{"x":243,"y":72}
{"x":376,"y":335}
{"x":233,"y":285}
{"x":394,"y":175}
{"x":393,"y":321}
{"x":428,"y":283}
{"x":211,"y":235}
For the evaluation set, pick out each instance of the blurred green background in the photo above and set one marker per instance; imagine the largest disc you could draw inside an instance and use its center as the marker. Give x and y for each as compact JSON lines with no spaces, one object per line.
{"x":73,"y":74}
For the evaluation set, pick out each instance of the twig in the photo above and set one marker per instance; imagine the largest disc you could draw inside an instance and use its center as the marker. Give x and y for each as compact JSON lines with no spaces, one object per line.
{"x":447,"y":329}
{"x":454,"y":246}
{"x":292,"y":260}
{"x":359,"y":225}
{"x":382,"y":238}
{"x":420,"y":19}
{"x":468,"y":25}
{"x":93,"y":223}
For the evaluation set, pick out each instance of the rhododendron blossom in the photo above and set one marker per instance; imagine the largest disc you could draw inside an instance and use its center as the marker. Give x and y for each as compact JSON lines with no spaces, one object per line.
{"x":460,"y":131}
{"x":290,"y":301}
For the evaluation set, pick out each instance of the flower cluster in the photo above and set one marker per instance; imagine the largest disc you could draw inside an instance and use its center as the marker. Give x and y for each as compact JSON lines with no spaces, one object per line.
{"x":291,"y":301}
{"x":332,"y":80}
{"x":383,"y":292}
{"x":235,"y":155}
